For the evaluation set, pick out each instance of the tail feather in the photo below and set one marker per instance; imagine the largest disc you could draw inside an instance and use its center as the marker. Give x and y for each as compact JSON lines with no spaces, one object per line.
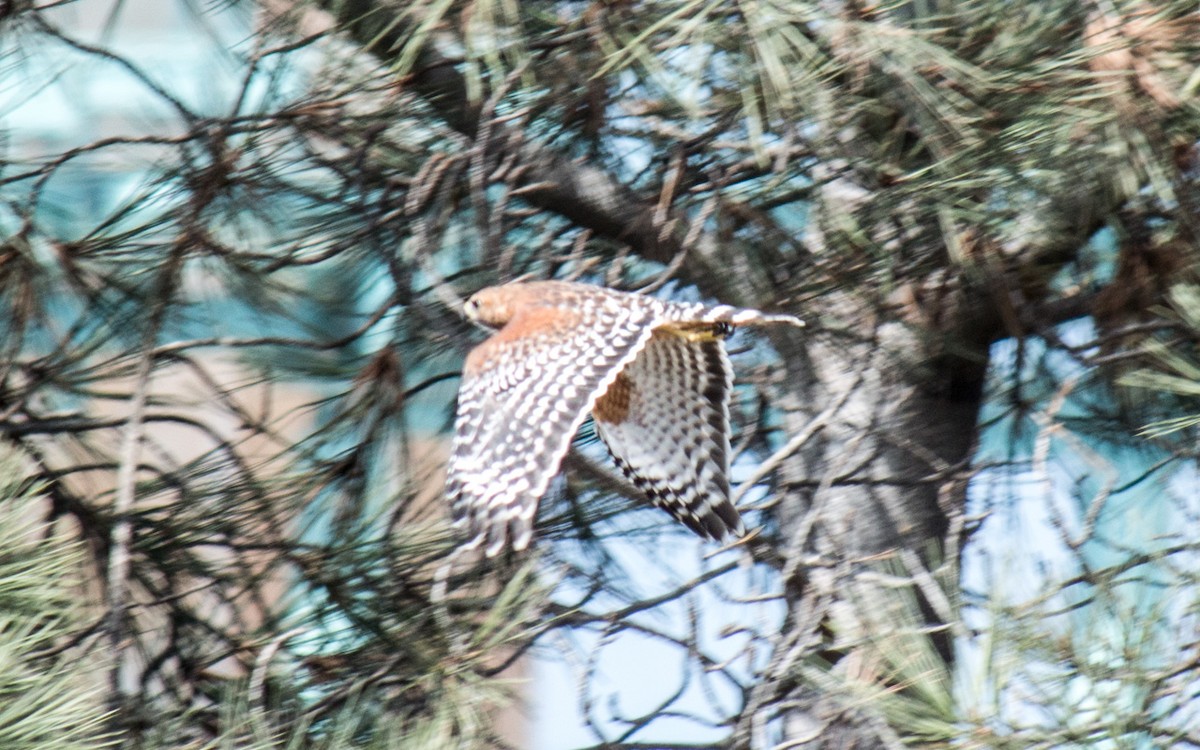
{"x":742,"y":317}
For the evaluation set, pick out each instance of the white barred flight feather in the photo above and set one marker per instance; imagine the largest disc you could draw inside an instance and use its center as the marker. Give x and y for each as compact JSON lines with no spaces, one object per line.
{"x":653,"y":372}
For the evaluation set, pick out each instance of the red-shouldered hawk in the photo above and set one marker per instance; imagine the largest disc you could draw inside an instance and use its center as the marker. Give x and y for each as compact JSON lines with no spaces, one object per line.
{"x":653,"y":374}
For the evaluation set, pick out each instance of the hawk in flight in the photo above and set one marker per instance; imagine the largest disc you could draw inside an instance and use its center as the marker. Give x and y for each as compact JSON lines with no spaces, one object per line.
{"x":653,"y":374}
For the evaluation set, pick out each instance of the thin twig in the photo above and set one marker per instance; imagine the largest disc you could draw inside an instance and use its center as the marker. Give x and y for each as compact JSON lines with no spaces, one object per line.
{"x":126,"y":488}
{"x":796,"y":442}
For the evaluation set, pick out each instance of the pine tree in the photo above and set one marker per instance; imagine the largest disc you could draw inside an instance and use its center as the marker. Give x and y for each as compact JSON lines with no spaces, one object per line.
{"x":232,"y":333}
{"x":49,"y":696}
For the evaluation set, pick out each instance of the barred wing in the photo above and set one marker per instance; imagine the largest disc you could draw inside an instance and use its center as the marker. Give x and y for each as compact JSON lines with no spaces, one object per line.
{"x":524,"y":393}
{"x":666,"y":423}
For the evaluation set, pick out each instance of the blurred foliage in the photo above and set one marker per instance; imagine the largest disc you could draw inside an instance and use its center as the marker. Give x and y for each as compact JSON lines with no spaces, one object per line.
{"x":49,"y":696}
{"x":231,"y":259}
{"x":1175,"y":368}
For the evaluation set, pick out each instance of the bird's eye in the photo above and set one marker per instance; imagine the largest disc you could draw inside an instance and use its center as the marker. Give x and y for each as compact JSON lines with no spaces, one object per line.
{"x":471,"y":307}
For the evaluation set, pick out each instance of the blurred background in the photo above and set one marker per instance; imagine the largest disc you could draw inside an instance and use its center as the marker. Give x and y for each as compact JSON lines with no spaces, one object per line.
{"x":234,"y":242}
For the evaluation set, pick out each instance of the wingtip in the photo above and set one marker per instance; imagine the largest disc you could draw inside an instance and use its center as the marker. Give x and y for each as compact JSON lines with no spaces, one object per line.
{"x":740,"y":541}
{"x":495,"y":546}
{"x":472,"y":543}
{"x":522,"y":534}
{"x":516,"y":534}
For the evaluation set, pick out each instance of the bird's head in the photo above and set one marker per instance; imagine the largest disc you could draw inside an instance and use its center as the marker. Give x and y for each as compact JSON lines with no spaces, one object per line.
{"x":491,"y":307}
